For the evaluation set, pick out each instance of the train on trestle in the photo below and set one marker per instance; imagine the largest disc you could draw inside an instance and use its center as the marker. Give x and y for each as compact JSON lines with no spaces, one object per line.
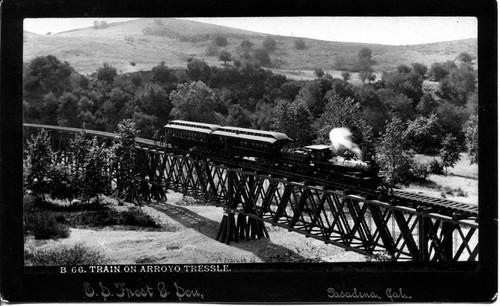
{"x":274,"y":150}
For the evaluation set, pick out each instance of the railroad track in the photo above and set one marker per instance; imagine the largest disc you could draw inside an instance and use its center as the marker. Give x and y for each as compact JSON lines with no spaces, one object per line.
{"x":429,"y":204}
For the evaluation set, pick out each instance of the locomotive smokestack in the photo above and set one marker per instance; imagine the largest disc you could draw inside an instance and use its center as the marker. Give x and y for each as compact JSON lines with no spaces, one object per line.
{"x":341,"y":138}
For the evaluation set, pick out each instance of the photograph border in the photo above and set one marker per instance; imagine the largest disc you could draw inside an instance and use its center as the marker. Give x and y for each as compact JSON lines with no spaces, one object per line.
{"x":248,"y":283}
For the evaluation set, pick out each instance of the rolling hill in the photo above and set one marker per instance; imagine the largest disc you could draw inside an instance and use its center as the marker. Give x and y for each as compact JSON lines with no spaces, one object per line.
{"x":126,"y":46}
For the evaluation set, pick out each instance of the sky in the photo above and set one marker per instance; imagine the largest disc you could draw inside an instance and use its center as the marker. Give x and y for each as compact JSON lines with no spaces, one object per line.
{"x":380,"y":30}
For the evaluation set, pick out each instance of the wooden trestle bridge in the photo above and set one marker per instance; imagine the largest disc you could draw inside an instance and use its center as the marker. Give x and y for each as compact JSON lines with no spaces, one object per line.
{"x":405,"y":226}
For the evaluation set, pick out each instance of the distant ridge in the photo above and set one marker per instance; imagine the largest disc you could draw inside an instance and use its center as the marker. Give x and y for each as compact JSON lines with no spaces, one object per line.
{"x":127,"y":46}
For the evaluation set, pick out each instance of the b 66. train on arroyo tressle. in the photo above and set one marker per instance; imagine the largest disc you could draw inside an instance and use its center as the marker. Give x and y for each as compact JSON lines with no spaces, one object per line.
{"x":274,"y":150}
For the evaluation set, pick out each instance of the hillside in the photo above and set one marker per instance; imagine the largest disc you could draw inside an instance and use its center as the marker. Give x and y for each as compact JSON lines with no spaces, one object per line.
{"x":125,"y":46}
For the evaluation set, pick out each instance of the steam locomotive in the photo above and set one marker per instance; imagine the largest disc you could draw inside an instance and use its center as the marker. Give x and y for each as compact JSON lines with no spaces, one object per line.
{"x":274,"y":150}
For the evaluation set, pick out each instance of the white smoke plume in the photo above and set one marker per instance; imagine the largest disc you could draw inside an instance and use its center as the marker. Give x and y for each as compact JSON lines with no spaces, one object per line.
{"x":341,"y":138}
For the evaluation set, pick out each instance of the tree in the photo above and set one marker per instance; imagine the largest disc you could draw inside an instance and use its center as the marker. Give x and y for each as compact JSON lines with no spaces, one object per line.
{"x":420,"y":69}
{"x":106,"y":73}
{"x":365,"y":53}
{"x":224,"y":56}
{"x":49,"y":110}
{"x":424,"y":134}
{"x":408,"y":83}
{"x":124,"y":159}
{"x":246,"y":45}
{"x":394,"y":158}
{"x":319,"y":72}
{"x":38,"y":164}
{"x":269,"y":44}
{"x":342,"y":112}
{"x":47,"y":74}
{"x":439,"y":71}
{"x":300,"y":44}
{"x":198,"y":70}
{"x":293,"y":119}
{"x":346,"y":76}
{"x":450,"y":152}
{"x":458,"y":84}
{"x":161,"y":74}
{"x":403,"y":69}
{"x":465,"y":57}
{"x":219,"y":40}
{"x":195,"y":102}
{"x":262,"y":56}
{"x":67,"y":111}
{"x":397,"y":104}
{"x":311,"y":95}
{"x":471,"y":131}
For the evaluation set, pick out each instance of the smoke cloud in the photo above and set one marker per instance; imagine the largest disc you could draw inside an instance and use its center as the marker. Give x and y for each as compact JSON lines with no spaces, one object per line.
{"x":341,"y":138}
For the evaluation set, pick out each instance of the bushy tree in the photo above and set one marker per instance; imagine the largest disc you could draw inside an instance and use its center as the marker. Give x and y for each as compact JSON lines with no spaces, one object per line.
{"x":311,"y":94}
{"x":162,"y":74}
{"x":394,"y":158}
{"x":124,"y":159}
{"x":38,"y":164}
{"x":365,"y":53}
{"x":293,"y":119}
{"x":420,"y":69}
{"x":195,"y":102}
{"x":46,"y":74}
{"x":450,"y":152}
{"x":246,"y":45}
{"x":269,"y":44}
{"x":403,"y":69}
{"x":471,"y":131}
{"x":106,"y":73}
{"x":224,"y":56}
{"x":439,"y":71}
{"x":319,"y":72}
{"x":465,"y":57}
{"x":220,"y":40}
{"x":458,"y":84}
{"x":300,"y":44}
{"x":342,"y":112}
{"x":404,"y":81}
{"x":424,"y":134}
{"x":346,"y":76}
{"x":262,"y":56}
{"x":198,"y":70}
{"x":49,"y":110}
{"x":397,"y":104}
{"x":67,"y":110}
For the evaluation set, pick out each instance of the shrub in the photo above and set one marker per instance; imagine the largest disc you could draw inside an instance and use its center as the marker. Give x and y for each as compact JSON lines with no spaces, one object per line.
{"x":219,"y":40}
{"x":419,"y":172}
{"x":108,"y":217}
{"x":300,"y":44}
{"x":319,"y":72}
{"x":63,"y":185}
{"x":106,"y":73}
{"x":44,"y":225}
{"x":269,"y":44}
{"x":346,"y":76}
{"x":211,"y":50}
{"x":38,"y":164}
{"x":78,"y":254}
{"x":129,"y":39}
{"x":435,"y":167}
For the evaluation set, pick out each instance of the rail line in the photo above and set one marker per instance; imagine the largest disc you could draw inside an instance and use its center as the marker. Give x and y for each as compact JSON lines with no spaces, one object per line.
{"x":405,"y":225}
{"x":451,"y":208}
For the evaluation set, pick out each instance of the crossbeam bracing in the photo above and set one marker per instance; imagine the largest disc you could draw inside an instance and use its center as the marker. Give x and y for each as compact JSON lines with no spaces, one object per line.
{"x":345,"y":216}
